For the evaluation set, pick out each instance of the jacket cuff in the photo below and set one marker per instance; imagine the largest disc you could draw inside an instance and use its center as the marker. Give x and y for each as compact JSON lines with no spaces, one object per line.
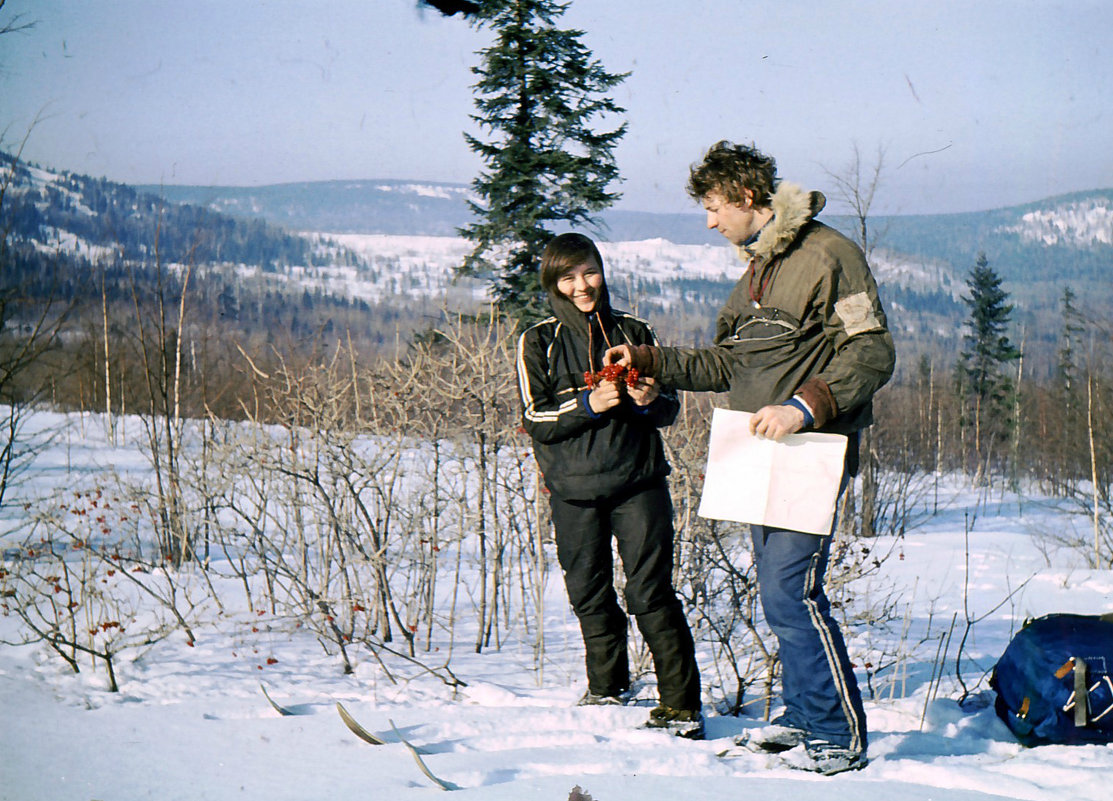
{"x":817,"y":394}
{"x":587,"y":406}
{"x":797,"y":402}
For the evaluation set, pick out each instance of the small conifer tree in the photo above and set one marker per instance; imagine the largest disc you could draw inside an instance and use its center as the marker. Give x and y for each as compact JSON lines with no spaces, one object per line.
{"x":987,"y":344}
{"x":987,"y":350}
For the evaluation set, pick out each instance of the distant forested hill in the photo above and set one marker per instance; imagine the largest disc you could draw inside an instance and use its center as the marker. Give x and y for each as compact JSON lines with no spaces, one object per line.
{"x":116,"y":270}
{"x":263,"y":265}
{"x":922,"y":261}
{"x":1062,"y":239}
{"x":341,"y":207}
{"x":1066,"y":239}
{"x":115,"y":218}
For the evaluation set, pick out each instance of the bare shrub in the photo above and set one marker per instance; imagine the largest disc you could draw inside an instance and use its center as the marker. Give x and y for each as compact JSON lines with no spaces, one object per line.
{"x":714,"y":574}
{"x":82,"y":584}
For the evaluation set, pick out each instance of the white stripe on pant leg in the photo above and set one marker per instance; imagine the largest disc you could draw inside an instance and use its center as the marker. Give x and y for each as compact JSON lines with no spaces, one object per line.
{"x":826,"y":638}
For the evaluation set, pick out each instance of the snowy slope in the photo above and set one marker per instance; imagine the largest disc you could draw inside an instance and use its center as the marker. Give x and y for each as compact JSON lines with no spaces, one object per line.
{"x":654,"y":269}
{"x":192,"y":723}
{"x":1079,"y":223}
{"x":425,"y":265}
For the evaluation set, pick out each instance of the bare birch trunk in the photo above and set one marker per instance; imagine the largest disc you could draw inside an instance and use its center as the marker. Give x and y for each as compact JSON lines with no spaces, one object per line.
{"x":1093,"y":468}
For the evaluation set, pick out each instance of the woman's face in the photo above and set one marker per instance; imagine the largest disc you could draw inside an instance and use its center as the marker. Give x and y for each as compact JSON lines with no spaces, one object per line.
{"x":583,"y":284}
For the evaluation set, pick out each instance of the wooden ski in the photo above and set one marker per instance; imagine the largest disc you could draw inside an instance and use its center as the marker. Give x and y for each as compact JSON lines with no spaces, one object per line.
{"x":444,"y":785}
{"x":277,"y":706}
{"x":356,"y":729}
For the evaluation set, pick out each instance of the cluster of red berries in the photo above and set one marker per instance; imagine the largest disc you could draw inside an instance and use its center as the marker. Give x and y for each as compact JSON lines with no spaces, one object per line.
{"x":612,"y":372}
{"x":111,"y":624}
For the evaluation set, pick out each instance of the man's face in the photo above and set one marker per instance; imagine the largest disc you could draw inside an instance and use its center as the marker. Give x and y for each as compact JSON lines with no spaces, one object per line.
{"x":736,"y":222}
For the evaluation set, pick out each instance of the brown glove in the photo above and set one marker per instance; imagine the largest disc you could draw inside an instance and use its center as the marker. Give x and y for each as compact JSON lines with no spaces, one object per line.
{"x":645,"y":359}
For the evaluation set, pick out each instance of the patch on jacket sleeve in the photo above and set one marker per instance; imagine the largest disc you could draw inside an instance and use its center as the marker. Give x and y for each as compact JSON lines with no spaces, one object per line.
{"x":856,"y":313}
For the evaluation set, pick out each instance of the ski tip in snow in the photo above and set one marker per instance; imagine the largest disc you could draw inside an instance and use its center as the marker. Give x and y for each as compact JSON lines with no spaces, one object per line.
{"x":356,"y":729}
{"x":284,"y":711}
{"x":444,"y":785}
{"x":368,"y":737}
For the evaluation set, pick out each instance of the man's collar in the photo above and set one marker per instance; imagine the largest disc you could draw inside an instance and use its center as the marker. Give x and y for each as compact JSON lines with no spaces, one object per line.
{"x":747,"y":246}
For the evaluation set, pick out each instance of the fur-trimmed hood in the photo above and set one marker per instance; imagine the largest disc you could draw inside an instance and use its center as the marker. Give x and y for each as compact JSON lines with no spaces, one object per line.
{"x":793,"y":208}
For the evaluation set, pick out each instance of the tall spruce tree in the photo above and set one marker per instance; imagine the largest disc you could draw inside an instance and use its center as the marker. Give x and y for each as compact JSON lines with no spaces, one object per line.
{"x":539,"y":95}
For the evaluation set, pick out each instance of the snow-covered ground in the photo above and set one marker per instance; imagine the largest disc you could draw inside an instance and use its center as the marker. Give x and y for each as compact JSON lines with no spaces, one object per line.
{"x":669,"y":273}
{"x":424,"y":266}
{"x":192,"y":722}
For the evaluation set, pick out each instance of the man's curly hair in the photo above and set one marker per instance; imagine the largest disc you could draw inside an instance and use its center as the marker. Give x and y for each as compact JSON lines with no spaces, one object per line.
{"x":729,"y":169}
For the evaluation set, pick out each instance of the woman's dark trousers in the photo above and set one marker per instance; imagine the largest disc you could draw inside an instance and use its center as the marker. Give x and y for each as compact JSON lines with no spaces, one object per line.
{"x":640,"y":521}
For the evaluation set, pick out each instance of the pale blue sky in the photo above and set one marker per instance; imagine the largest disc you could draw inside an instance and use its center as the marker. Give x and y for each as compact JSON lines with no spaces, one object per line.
{"x":1014,"y":95}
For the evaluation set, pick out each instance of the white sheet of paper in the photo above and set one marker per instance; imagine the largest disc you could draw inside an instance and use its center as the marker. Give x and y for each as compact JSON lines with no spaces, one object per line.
{"x":792,"y":484}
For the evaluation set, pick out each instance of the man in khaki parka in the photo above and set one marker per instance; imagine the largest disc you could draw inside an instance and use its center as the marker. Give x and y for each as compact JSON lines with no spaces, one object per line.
{"x":803,"y":344}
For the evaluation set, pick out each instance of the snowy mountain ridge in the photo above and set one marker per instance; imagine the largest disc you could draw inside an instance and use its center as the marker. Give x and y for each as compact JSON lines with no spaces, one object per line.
{"x":1080,"y":223}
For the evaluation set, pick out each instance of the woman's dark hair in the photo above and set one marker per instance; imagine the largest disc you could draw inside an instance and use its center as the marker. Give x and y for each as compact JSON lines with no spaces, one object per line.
{"x":729,"y":169}
{"x":562,"y":254}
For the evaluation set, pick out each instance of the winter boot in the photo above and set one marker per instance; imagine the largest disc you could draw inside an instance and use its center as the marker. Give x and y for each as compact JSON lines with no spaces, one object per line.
{"x":770,"y":739}
{"x":687,"y":723}
{"x":594,"y":699}
{"x":822,"y":756}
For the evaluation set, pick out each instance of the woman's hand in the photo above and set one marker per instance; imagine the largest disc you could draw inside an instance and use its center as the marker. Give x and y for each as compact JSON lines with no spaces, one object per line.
{"x":645,"y":391}
{"x":606,"y":395}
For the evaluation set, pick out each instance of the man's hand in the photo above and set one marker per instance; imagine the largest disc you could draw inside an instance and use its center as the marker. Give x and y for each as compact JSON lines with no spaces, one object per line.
{"x":641,"y":357}
{"x":776,"y":422}
{"x":606,"y":395}
{"x":645,"y":391}
{"x":619,"y":354}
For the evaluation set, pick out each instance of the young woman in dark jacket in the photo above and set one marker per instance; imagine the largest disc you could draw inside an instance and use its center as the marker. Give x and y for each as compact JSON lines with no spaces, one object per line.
{"x":599,"y":450}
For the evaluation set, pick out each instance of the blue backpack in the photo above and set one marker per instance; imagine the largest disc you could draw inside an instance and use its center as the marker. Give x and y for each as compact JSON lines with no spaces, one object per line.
{"x":1054,"y":682}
